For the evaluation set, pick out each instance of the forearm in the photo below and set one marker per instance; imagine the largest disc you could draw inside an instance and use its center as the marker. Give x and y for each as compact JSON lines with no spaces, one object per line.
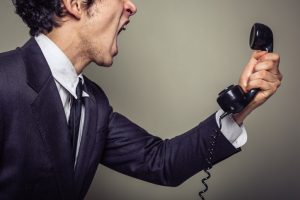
{"x":133,"y":151}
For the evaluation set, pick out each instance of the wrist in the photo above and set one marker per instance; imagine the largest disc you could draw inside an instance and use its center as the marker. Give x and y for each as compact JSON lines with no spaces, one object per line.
{"x":241,"y":116}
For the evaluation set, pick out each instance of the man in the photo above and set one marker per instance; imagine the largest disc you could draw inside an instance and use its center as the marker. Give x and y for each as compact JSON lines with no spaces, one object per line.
{"x":56,"y":125}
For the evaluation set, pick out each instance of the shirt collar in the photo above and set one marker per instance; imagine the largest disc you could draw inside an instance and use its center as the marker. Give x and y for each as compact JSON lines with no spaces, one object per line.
{"x":61,"y":67}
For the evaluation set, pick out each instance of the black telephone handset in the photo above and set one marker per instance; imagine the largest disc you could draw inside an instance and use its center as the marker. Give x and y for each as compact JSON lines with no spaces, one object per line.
{"x":233,"y":99}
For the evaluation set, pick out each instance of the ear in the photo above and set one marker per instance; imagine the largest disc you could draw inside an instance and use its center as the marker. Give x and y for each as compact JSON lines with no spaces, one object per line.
{"x":73,"y":7}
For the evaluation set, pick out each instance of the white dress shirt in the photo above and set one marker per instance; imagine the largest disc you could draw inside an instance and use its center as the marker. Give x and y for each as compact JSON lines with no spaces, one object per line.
{"x":65,"y":77}
{"x":66,"y":80}
{"x":236,"y":134}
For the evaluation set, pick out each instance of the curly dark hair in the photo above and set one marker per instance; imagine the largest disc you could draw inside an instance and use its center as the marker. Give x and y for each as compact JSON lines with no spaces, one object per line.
{"x":42,"y":15}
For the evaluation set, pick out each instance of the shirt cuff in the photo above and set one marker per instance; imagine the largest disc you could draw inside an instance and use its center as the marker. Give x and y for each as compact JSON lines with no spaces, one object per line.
{"x":235,"y":134}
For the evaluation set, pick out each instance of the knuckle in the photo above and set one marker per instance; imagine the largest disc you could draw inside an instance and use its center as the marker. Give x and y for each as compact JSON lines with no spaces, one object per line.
{"x":280,"y":77}
{"x":278,"y":83}
{"x":276,"y":57}
{"x":274,"y":87}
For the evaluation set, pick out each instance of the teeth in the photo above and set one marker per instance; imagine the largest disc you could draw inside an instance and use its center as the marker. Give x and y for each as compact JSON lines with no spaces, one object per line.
{"x":123,"y":28}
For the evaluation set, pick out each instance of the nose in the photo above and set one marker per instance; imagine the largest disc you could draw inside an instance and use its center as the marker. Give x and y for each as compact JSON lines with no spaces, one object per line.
{"x":130,"y":8}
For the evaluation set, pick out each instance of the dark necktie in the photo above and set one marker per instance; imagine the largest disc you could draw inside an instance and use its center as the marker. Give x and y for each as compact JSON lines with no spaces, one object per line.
{"x":74,"y":119}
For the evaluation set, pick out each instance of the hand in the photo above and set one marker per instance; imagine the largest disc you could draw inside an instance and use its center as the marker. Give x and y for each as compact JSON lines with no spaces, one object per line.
{"x":261,"y":72}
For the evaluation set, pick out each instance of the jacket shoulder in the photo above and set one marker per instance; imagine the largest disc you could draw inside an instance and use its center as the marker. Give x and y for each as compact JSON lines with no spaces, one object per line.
{"x":11,"y":67}
{"x":10,"y":59}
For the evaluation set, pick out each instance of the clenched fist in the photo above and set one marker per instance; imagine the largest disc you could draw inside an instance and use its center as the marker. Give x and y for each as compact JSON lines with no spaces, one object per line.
{"x":262,"y":71}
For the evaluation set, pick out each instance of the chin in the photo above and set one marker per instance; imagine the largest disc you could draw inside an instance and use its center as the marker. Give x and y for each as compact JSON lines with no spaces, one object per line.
{"x":110,"y":60}
{"x":105,"y":62}
{"x":108,"y":64}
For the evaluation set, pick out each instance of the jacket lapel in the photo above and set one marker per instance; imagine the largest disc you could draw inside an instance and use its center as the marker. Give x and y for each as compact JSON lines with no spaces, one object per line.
{"x":87,"y":141}
{"x":49,"y":115}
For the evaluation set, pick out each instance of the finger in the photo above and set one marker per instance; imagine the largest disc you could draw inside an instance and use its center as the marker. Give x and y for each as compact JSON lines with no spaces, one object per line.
{"x":264,"y":75}
{"x":250,"y":67}
{"x":270,"y":56}
{"x":256,"y":56}
{"x":269,"y":65}
{"x":273,"y":57}
{"x":264,"y":86}
{"x":261,"y":97}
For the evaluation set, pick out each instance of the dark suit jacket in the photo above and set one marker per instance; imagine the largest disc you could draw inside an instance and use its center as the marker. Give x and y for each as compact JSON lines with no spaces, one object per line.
{"x":35,"y":150}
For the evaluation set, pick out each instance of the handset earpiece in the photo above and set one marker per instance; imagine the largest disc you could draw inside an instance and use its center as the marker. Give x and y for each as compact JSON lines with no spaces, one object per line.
{"x":261,"y":38}
{"x":233,"y":99}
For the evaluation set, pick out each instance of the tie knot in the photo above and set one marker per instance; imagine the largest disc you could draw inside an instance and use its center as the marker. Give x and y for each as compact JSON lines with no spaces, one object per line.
{"x":79,"y":89}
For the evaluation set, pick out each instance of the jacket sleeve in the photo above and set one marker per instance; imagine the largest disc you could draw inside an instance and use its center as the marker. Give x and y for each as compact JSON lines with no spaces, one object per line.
{"x":1,"y":130}
{"x":132,"y":151}
{"x":2,"y":85}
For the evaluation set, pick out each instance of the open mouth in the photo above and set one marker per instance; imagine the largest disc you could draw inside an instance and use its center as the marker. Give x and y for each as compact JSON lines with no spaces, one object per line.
{"x":123,"y":28}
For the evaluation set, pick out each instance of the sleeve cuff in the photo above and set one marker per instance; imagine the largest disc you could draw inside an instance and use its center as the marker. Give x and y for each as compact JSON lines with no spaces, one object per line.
{"x":235,"y":134}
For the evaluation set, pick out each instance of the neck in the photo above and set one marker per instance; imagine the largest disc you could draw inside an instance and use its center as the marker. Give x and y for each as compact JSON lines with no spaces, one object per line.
{"x":72,"y":47}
